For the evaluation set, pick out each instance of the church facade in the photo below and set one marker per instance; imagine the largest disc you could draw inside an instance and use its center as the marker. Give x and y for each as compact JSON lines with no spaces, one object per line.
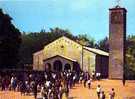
{"x":64,"y":53}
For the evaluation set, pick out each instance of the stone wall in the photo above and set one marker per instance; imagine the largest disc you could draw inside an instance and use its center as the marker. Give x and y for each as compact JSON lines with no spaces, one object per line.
{"x":117,"y":37}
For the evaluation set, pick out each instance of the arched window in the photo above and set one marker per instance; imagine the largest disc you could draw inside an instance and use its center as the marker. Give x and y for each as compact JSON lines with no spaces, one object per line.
{"x":67,"y":66}
{"x":57,"y":65}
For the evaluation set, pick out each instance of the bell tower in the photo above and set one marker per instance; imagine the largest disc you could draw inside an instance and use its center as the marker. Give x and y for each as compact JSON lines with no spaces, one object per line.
{"x":117,"y":38}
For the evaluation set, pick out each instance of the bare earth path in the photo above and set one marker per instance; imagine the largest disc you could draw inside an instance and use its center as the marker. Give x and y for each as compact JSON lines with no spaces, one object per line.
{"x":127,"y":92}
{"x":79,"y":92}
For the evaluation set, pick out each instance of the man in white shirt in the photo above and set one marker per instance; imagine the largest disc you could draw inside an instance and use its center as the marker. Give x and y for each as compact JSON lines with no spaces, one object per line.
{"x":98,"y":91}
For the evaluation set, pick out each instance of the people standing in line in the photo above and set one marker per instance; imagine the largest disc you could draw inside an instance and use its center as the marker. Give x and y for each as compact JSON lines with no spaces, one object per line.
{"x":112,"y":94}
{"x":98,"y":91}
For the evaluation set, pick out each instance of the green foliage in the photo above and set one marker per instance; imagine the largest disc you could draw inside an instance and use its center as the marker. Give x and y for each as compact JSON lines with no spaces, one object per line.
{"x":10,"y":39}
{"x":103,"y":44}
{"x":130,"y":58}
{"x":84,"y":40}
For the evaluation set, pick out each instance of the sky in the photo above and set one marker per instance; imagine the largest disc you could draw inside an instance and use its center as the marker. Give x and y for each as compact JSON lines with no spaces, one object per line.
{"x":78,"y":16}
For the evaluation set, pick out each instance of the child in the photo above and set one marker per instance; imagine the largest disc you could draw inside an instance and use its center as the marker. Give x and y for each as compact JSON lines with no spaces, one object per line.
{"x":112,"y":94}
{"x":89,"y":83}
{"x":98,"y":91}
{"x":102,"y":95}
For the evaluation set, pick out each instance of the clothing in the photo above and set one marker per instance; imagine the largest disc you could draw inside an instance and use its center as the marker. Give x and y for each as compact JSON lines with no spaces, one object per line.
{"x":102,"y":96}
{"x":98,"y":91}
{"x":111,"y":95}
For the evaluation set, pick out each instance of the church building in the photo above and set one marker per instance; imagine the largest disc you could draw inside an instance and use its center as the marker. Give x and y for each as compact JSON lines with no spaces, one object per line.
{"x":64,"y":53}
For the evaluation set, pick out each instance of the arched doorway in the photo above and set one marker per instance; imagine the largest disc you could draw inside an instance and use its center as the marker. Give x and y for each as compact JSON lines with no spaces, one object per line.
{"x":47,"y":67}
{"x":67,"y":66}
{"x":57,"y":65}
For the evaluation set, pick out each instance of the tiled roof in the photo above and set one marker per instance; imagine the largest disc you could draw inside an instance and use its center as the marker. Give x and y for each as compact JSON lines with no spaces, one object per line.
{"x":97,"y":51}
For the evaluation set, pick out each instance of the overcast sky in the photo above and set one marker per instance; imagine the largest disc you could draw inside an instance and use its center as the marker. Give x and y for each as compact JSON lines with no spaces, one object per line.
{"x":79,"y":16}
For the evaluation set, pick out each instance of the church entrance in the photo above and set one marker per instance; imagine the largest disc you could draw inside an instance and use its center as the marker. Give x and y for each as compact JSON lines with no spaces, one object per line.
{"x":57,"y":65}
{"x":67,"y":67}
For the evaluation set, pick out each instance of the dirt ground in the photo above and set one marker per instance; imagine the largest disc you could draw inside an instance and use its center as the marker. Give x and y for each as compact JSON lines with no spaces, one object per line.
{"x":79,"y":92}
{"x":122,"y":92}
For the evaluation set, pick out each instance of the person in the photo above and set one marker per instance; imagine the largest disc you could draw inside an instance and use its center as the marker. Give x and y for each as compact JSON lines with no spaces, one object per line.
{"x":98,"y":75}
{"x":89,"y":83}
{"x":43,"y":92}
{"x":12,"y":83}
{"x":98,"y":91}
{"x":102,"y":95}
{"x":112,"y":94}
{"x":80,"y":79}
{"x":93,"y":75}
{"x":22,"y":87}
{"x":60,"y":91}
{"x":47,"y":84}
{"x":74,"y":79}
{"x":85,"y":79}
{"x":66,"y":92}
{"x":35,"y":90}
{"x":27,"y":87}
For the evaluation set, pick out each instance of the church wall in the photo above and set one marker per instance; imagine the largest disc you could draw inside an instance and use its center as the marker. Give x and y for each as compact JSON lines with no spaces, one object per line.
{"x":73,"y":52}
{"x":89,"y":61}
{"x":38,"y":60}
{"x":64,"y":47}
{"x":63,"y":61}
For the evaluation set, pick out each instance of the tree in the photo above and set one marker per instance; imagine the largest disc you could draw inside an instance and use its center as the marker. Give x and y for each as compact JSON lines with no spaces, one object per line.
{"x":84,"y":40}
{"x":10,"y":39}
{"x":130,"y":58}
{"x":103,"y":44}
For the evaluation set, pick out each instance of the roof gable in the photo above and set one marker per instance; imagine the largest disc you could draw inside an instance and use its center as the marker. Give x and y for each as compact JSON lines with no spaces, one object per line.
{"x":62,"y":39}
{"x":70,"y":59}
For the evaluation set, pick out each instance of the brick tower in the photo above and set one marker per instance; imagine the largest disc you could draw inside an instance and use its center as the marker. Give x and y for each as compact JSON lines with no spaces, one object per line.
{"x":117,"y":37}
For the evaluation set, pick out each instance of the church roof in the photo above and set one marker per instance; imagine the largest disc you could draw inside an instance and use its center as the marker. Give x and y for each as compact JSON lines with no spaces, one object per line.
{"x":96,"y":51}
{"x":38,"y":52}
{"x":70,"y":59}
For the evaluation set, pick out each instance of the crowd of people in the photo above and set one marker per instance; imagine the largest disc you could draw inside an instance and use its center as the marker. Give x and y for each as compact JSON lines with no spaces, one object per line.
{"x":50,"y":85}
